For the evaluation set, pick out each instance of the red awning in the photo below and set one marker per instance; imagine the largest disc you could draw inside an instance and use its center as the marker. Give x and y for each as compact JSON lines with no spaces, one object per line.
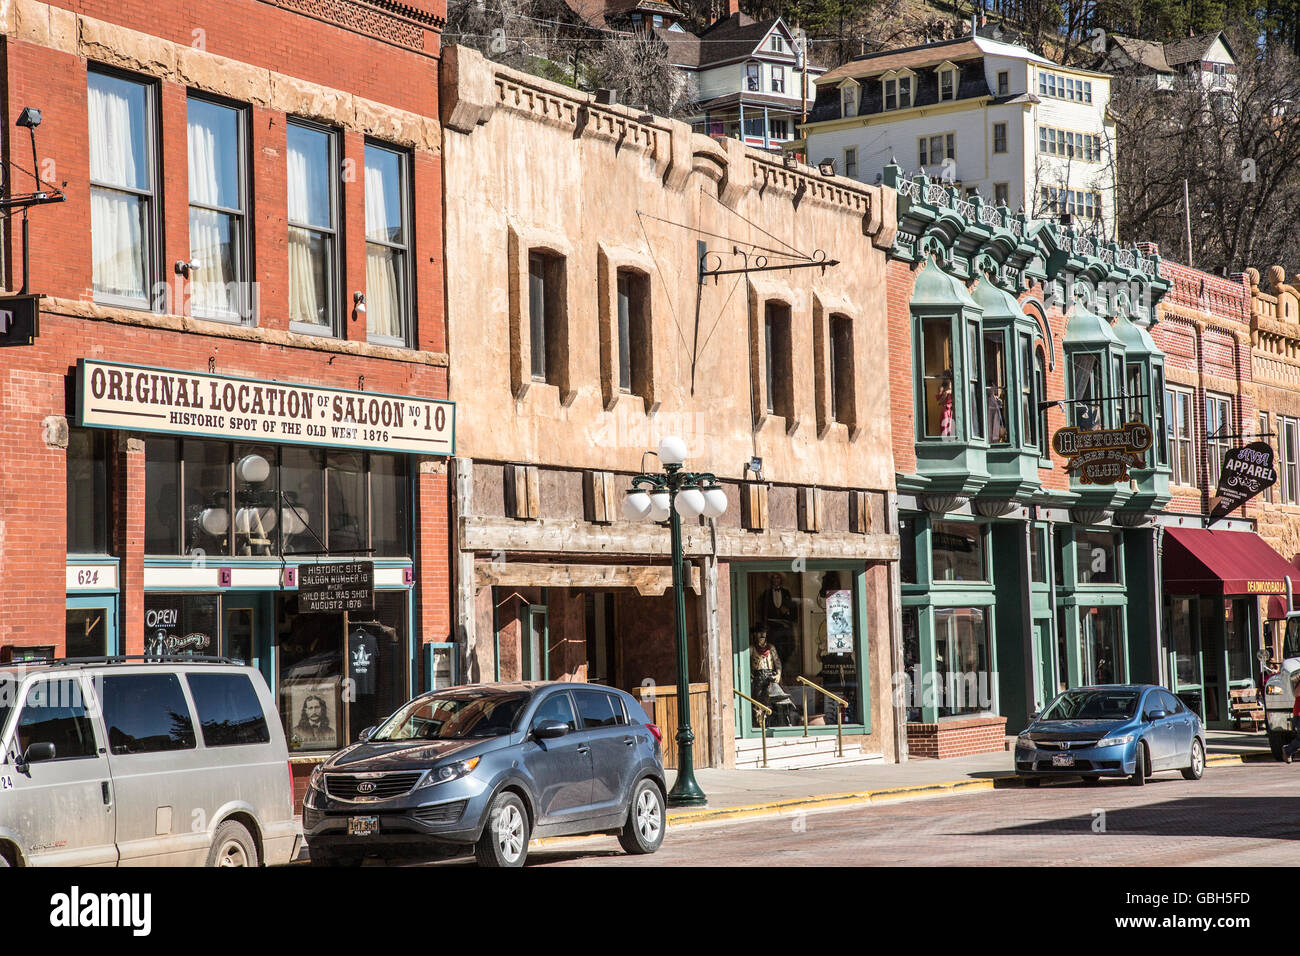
{"x":1222,"y":563}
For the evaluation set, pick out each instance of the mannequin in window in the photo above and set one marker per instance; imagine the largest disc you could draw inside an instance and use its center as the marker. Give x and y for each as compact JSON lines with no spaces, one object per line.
{"x":765,"y":678}
{"x":778,"y":614}
{"x":947,"y":421}
{"x":997,"y":421}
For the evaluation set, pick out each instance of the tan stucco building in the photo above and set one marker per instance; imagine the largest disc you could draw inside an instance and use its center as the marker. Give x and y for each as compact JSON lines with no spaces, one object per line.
{"x":583,"y":334}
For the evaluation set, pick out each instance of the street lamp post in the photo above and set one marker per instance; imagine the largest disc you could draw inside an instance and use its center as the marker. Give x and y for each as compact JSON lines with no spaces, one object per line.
{"x":672,"y":495}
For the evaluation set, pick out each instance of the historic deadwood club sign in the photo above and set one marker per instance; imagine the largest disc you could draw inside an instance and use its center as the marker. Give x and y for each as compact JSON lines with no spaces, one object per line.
{"x":1246,"y":472}
{"x":137,"y":398}
{"x":1103,"y":456}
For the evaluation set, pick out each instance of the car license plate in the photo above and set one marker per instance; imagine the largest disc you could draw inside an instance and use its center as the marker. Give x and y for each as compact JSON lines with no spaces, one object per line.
{"x":1058,"y":760}
{"x":363,"y":826}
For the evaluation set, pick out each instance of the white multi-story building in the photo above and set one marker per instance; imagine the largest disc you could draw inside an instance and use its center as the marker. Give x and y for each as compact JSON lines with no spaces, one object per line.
{"x":752,"y":79}
{"x":988,"y":116}
{"x":1206,"y":60}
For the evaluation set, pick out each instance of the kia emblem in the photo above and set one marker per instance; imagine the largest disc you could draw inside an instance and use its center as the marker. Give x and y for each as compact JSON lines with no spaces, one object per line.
{"x":366,"y":787}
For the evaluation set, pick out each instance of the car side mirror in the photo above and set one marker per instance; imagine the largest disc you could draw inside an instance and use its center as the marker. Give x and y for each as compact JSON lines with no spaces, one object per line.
{"x":1033,"y":716}
{"x":550,"y":729}
{"x":36,"y":753}
{"x":366,"y":734}
{"x":1157,"y":714}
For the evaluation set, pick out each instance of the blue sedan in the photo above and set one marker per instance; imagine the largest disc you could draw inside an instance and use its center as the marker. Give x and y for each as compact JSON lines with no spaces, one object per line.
{"x":1115,"y":730}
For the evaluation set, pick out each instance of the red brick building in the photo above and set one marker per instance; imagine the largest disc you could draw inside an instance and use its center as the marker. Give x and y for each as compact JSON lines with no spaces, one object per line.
{"x":253,"y":214}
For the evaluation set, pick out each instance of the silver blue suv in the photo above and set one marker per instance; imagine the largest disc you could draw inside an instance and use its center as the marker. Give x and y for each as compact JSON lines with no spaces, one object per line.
{"x":491,"y":766}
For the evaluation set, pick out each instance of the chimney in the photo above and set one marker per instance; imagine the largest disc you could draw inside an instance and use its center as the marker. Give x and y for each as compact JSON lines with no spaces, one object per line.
{"x":1148,"y":248}
{"x":733,"y":8}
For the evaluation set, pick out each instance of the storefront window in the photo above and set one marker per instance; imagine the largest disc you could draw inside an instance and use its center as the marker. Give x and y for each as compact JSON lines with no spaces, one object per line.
{"x":87,"y":491}
{"x":936,"y":346}
{"x":207,"y":497}
{"x":907,"y":549}
{"x":1037,"y":555}
{"x":257,"y":519}
{"x":1238,"y":638}
{"x":345,"y":478}
{"x":995,"y":387}
{"x":389,"y":510}
{"x":302,"y":480}
{"x":340,"y":674}
{"x":912,"y":663}
{"x":254,"y":500}
{"x":810,"y":621}
{"x":962,"y":660}
{"x":162,"y":496}
{"x":181,"y":624}
{"x":1096,"y":553}
{"x":1101,"y":645}
{"x":957,"y":551}
{"x":1182,"y":638}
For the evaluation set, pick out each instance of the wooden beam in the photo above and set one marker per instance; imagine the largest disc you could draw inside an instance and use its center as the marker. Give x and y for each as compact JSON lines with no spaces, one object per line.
{"x":649,"y":580}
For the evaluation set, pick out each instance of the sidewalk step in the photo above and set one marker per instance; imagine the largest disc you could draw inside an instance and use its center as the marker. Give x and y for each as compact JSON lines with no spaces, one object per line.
{"x":808,"y":761}
{"x":785,"y":744}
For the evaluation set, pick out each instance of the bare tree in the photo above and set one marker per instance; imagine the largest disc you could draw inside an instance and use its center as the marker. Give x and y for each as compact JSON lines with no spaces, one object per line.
{"x":636,"y":64}
{"x":1237,"y":148}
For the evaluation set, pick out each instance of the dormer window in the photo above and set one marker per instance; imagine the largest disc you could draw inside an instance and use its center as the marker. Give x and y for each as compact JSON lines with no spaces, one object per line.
{"x":849,"y":100}
{"x":897,"y":91}
{"x":947,"y":85}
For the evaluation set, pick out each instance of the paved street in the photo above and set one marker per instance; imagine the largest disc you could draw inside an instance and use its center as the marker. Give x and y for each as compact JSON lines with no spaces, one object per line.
{"x":1235,"y":816}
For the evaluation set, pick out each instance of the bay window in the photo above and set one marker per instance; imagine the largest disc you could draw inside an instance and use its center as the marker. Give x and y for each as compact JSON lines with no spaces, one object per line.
{"x":995,"y":388}
{"x":1086,"y":372}
{"x":1028,"y":398}
{"x":937,"y":376}
{"x":975,"y":390}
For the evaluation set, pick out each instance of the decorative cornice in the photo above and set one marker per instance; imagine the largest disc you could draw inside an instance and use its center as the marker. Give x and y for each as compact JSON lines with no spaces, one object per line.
{"x":389,"y":20}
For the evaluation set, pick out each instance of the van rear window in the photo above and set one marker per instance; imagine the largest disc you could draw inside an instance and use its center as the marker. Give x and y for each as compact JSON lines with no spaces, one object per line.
{"x":229,"y":712}
{"x":146,"y":713}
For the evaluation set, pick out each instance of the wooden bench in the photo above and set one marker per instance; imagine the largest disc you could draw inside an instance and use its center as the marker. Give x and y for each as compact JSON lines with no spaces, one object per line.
{"x":1244,"y":705}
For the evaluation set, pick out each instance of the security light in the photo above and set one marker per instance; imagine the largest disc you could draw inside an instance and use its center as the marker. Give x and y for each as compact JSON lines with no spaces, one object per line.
{"x":29,"y":118}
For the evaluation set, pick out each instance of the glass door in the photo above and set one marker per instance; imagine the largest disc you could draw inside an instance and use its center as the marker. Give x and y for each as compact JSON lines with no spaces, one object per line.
{"x":90,"y":628}
{"x":244,"y":617}
{"x":1185,"y":667}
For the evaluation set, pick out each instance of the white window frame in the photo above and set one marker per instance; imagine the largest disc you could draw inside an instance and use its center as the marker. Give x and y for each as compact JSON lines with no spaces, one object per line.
{"x":1216,"y":448}
{"x":950,"y":75}
{"x":778,"y":79}
{"x":1182,"y":434}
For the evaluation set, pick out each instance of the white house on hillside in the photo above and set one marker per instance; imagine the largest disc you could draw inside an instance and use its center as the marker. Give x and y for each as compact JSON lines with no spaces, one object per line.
{"x":751,"y":76}
{"x":1206,"y":59}
{"x":990,"y":116}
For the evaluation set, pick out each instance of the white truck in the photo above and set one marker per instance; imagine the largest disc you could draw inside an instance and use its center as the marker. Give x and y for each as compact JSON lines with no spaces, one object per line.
{"x":1281,"y":688}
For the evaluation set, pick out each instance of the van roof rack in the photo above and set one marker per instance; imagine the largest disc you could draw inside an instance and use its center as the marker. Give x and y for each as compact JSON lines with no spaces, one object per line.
{"x":124,"y":658}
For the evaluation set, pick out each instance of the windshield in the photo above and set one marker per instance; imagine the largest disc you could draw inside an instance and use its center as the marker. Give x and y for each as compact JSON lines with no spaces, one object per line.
{"x":1093,"y":705}
{"x":8,"y":699}
{"x":455,"y":716}
{"x":1291,"y":647}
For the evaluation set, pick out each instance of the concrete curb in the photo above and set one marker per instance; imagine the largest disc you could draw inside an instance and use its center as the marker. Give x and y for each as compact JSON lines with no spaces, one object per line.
{"x":1264,"y":756}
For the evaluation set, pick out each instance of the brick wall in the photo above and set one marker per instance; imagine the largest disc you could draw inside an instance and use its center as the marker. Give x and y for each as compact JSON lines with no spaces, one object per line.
{"x":957,"y":738}
{"x":281,"y":46}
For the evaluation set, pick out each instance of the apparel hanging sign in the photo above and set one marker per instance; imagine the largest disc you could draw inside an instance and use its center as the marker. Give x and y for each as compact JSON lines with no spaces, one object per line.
{"x":1103,"y":456}
{"x":1246,"y":472}
{"x":138,"y":398}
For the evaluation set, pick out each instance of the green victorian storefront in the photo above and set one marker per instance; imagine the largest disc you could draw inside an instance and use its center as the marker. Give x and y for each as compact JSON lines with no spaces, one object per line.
{"x":1020,"y":578}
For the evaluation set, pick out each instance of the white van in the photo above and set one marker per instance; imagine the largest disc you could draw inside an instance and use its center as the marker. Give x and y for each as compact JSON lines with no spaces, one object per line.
{"x":142,"y":762}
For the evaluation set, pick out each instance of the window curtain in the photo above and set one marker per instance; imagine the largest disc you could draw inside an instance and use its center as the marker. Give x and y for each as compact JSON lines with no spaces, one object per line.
{"x":308,"y":279}
{"x":116,"y":218}
{"x":383,"y":297}
{"x":212,"y":241}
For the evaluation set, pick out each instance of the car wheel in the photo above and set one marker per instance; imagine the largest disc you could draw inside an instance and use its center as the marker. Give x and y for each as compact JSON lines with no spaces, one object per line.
{"x":1031,"y":781}
{"x":1140,"y":771}
{"x":644,"y":830}
{"x":1275,"y":744}
{"x":1091,"y":781}
{"x":1196,"y":767}
{"x":232,"y":845}
{"x":505,"y":838}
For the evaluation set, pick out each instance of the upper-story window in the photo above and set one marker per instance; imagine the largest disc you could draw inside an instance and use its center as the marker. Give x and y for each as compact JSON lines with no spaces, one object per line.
{"x":1004,"y":83}
{"x":851,"y":162}
{"x":938,"y":395}
{"x":842,"y":403}
{"x":778,"y":44}
{"x":123,"y":192}
{"x":753,"y":77}
{"x":1028,"y":399}
{"x":388,"y":245}
{"x":1086,"y":372}
{"x":314,"y":266}
{"x":1218,"y":426}
{"x":1260,"y":436}
{"x":1182,"y":457}
{"x":897,"y":92}
{"x":778,"y":79}
{"x":1040,"y":385}
{"x":1064,"y":87}
{"x":933,"y":150}
{"x":218,"y":183}
{"x":849,"y":100}
{"x":995,"y":388}
{"x":999,"y":137}
{"x":778,"y":367}
{"x":547,"y":308}
{"x":947,"y":85}
{"x":633,"y":331}
{"x":1288,"y":467}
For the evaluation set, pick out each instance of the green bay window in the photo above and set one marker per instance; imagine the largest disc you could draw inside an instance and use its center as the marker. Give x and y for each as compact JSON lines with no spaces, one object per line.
{"x":975,"y":393}
{"x":937,"y":369}
{"x":997,"y":412}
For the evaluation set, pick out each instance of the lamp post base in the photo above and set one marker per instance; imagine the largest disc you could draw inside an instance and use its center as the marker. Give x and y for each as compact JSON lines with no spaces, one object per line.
{"x":687,"y":793}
